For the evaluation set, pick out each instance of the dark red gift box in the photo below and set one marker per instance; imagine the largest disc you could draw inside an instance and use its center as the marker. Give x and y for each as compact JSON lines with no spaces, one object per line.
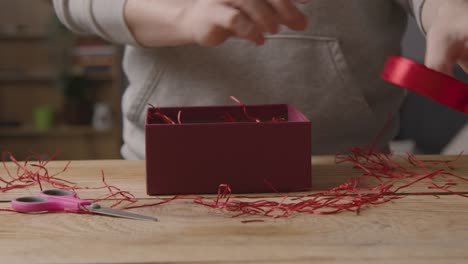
{"x":204,"y":150}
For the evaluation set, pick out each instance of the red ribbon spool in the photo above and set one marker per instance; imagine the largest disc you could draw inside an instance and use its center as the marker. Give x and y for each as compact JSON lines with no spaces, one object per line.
{"x":427,"y":82}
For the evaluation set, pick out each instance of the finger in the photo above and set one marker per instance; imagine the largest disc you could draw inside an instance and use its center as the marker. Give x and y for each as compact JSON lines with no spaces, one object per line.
{"x":215,"y":37}
{"x":464,"y":65}
{"x":260,"y":12}
{"x":440,"y":52}
{"x":290,"y":15}
{"x":239,"y":24}
{"x":463,"y":61}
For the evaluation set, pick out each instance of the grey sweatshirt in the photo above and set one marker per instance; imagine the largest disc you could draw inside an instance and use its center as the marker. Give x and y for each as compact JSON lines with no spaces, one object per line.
{"x":330,"y":72}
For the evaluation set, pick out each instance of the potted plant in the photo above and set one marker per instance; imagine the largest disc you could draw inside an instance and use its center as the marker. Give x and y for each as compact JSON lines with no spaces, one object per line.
{"x":77,"y":106}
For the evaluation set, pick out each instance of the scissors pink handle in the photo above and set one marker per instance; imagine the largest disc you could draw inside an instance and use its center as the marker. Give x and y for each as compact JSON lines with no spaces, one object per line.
{"x":49,"y":201}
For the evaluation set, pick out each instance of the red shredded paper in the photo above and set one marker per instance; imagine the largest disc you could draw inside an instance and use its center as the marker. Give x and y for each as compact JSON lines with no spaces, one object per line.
{"x":33,"y":172}
{"x":392,"y":179}
{"x":158,"y":116}
{"x":383,"y":179}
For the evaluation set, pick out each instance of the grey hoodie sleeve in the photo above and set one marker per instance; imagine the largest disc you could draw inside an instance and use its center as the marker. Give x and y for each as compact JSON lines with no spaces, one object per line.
{"x":104,"y":18}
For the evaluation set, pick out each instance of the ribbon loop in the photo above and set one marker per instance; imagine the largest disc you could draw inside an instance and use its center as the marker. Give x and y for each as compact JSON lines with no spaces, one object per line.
{"x":435,"y":85}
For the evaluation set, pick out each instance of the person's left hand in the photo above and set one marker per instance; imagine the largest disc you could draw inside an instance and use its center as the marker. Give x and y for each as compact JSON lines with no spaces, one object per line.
{"x":447,"y":34}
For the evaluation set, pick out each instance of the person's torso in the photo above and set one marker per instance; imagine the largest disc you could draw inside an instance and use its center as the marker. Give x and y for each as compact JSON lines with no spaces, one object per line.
{"x":330,"y":72}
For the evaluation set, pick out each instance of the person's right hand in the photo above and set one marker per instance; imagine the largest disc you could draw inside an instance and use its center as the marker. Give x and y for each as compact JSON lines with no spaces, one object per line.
{"x":212,"y":22}
{"x":209,"y":22}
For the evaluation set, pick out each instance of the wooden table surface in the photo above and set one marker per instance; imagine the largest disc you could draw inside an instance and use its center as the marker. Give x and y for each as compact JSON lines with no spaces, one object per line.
{"x":415,"y":229}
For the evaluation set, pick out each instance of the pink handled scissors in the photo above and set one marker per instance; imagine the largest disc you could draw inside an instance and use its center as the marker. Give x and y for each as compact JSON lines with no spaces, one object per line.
{"x":61,"y":200}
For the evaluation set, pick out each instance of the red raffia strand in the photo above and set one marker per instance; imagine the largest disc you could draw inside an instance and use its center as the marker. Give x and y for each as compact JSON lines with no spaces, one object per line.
{"x":33,"y":173}
{"x":158,"y":115}
{"x":253,"y":221}
{"x":244,"y":108}
{"x":115,"y":192}
{"x":178,"y":117}
{"x":348,"y":196}
{"x":385,"y":178}
{"x":251,"y":118}
{"x":7,"y":210}
{"x":345,"y":197}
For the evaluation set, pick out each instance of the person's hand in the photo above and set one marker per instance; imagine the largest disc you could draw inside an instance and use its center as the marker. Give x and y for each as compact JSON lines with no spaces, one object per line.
{"x":447,"y":34}
{"x":212,"y":22}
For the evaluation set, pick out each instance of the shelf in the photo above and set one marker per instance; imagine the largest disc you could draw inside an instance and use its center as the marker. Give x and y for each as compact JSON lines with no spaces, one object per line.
{"x":63,"y":130}
{"x":48,"y":77}
{"x":22,"y":36}
{"x":6,"y":36}
{"x":29,"y":66}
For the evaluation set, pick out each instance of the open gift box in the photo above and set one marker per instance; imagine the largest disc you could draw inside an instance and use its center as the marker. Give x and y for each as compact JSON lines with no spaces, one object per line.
{"x":225,"y":145}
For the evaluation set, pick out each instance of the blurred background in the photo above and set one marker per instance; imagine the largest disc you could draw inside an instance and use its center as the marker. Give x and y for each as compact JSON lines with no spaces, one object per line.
{"x":60,"y":92}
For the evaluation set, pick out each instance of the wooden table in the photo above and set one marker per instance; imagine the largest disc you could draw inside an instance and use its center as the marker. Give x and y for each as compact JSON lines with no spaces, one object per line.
{"x":416,"y":229}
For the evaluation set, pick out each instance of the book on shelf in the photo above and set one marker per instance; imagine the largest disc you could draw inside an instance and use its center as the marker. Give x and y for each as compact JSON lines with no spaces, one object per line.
{"x":92,"y":61}
{"x":94,"y":57}
{"x":94,"y":50}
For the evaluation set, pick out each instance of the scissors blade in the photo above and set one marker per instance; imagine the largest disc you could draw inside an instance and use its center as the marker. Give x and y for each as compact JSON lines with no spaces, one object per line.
{"x":119,"y":213}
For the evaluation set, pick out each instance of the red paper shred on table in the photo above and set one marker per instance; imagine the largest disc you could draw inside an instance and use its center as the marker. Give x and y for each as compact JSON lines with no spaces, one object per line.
{"x":253,"y":221}
{"x":30,"y":173}
{"x":384,"y":178}
{"x":387,"y":177}
{"x":114,"y":193}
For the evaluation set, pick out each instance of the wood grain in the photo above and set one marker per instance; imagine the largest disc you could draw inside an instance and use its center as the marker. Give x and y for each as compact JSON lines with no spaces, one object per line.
{"x":413,"y":230}
{"x":416,"y":229}
{"x":130,"y":175}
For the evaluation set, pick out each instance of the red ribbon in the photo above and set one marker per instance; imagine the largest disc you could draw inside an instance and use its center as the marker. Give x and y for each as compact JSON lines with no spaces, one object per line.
{"x":427,"y":82}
